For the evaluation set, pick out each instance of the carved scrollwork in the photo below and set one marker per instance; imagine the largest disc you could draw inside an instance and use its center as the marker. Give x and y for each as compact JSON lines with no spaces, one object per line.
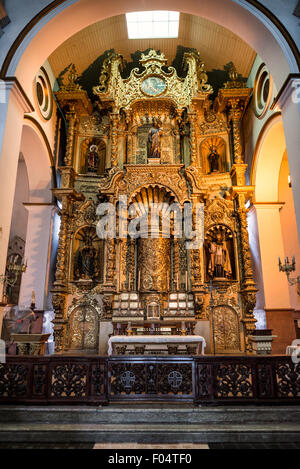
{"x":219,"y":210}
{"x":234,"y":381}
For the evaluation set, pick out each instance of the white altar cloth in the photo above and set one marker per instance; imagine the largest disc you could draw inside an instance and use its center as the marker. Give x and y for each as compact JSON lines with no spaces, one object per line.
{"x":156,"y":339}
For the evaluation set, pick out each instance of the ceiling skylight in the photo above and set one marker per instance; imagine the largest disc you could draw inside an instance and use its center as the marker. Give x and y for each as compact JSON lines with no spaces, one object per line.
{"x":152,"y":24}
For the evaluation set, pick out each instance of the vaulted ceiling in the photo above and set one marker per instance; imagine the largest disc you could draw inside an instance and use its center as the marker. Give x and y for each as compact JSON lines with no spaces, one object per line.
{"x":217,"y":45}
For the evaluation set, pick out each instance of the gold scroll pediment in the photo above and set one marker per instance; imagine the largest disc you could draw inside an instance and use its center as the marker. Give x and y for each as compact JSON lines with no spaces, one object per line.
{"x":155,"y":81}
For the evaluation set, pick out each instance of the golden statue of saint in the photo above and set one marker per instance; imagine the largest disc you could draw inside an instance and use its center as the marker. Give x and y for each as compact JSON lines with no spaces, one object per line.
{"x":154,"y":141}
{"x":219,"y":263}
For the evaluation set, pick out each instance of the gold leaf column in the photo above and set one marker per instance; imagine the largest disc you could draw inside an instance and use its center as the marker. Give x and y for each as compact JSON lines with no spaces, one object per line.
{"x":114,"y":117}
{"x":72,"y":120}
{"x":233,"y":99}
{"x":193,"y":121}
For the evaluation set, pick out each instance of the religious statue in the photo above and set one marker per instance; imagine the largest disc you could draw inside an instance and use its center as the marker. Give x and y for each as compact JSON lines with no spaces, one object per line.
{"x":93,"y":159}
{"x":213,"y":159}
{"x":154,"y":141}
{"x":86,"y":267}
{"x":219,"y":263}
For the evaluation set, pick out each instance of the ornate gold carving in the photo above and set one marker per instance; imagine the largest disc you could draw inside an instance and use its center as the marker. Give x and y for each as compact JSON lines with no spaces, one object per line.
{"x":181,"y":90}
{"x":169,"y":177}
{"x":218,"y":211}
{"x":154,"y":264}
{"x":83,"y":324}
{"x":235,"y":80}
{"x":227,"y":333}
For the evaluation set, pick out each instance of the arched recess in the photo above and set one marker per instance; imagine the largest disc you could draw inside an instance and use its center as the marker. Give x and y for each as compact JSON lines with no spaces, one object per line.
{"x":267,"y":232}
{"x":39,"y":161}
{"x":39,"y":205}
{"x":267,"y":159}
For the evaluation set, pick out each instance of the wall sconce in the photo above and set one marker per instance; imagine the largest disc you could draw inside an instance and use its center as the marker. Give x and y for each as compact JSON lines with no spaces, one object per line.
{"x":288,"y":267}
{"x":10,"y":278}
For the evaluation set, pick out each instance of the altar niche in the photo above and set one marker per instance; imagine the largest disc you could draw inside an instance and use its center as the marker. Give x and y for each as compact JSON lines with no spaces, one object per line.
{"x":88,"y":253}
{"x":214,"y":155}
{"x":93,"y":157}
{"x":154,"y":140}
{"x":219,"y":254}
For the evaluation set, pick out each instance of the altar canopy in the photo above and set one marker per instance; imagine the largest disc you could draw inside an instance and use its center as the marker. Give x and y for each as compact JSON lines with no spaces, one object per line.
{"x":153,"y":211}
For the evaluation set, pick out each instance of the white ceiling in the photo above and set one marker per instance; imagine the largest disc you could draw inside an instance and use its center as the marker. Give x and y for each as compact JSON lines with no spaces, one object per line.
{"x":217,"y":45}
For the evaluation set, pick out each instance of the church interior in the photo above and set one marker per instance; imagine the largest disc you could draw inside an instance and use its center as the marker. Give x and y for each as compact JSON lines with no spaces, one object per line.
{"x":150,"y":210}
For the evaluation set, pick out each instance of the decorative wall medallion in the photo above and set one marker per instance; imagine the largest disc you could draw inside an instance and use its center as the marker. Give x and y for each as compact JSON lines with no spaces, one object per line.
{"x":153,"y":86}
{"x":43,"y":94}
{"x":262,"y":92}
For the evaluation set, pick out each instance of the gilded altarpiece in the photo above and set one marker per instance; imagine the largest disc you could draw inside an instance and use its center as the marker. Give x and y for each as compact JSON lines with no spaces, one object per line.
{"x":154,"y":138}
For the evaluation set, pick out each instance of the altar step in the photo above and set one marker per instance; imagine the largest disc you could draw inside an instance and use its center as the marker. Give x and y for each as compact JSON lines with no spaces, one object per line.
{"x":149,"y":424}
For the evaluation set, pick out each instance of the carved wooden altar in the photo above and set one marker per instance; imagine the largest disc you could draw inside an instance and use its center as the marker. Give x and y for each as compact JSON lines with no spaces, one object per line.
{"x":198,"y":160}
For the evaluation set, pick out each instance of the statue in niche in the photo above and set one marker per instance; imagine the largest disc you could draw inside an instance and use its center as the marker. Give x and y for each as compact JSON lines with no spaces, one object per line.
{"x":213,"y":151}
{"x":219,"y":265}
{"x":93,"y":159}
{"x":154,"y":140}
{"x":87,"y":263}
{"x":213,"y":159}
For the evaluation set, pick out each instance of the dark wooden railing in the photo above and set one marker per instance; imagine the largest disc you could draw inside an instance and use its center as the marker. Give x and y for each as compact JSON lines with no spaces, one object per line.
{"x":100,"y":380}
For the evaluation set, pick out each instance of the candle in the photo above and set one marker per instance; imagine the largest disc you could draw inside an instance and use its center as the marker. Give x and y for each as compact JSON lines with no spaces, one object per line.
{"x":129,"y":281}
{"x":168,"y":280}
{"x":177,"y":281}
{"x":33,"y":297}
{"x":186,"y":280}
{"x":139,"y":280}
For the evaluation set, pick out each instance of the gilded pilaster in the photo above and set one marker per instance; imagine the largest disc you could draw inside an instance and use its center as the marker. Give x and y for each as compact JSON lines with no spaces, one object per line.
{"x":193,"y":121}
{"x":72,"y":120}
{"x":114,"y":117}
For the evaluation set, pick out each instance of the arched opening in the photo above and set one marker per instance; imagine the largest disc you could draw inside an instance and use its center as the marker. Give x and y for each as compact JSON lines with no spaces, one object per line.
{"x":276,"y":233}
{"x":38,"y":206}
{"x":17,"y":237}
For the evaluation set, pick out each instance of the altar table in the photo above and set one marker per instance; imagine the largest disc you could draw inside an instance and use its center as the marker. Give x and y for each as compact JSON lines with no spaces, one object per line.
{"x":143,"y":340}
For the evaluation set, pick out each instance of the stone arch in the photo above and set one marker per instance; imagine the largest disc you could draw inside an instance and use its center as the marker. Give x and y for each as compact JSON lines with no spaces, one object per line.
{"x":271,"y":39}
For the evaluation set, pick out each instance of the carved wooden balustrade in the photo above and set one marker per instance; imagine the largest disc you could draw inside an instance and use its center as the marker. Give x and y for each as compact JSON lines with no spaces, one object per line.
{"x":100,"y":380}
